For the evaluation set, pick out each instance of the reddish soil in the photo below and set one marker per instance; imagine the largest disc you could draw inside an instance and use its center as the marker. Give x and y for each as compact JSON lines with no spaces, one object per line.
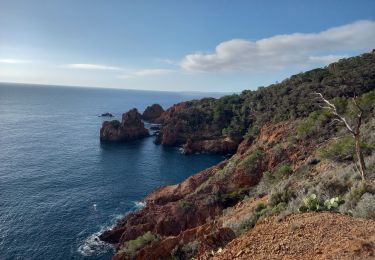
{"x":305,"y":236}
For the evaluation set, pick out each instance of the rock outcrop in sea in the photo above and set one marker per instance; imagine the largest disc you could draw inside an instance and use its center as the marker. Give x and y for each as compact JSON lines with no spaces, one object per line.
{"x":152,"y":113}
{"x":130,"y":128}
{"x":107,"y":114}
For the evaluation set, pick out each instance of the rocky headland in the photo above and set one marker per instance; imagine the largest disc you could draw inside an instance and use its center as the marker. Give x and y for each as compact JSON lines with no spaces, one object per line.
{"x":130,"y":128}
{"x":291,"y":190}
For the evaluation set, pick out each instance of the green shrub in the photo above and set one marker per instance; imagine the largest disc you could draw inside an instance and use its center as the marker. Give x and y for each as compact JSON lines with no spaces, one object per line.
{"x":252,"y":132}
{"x":279,"y":173}
{"x":334,"y":185}
{"x":186,"y":205}
{"x":308,"y":125}
{"x":313,"y":203}
{"x":262,"y":210}
{"x":241,"y":226}
{"x":333,"y":203}
{"x":281,"y":196}
{"x":277,"y":209}
{"x":132,"y":246}
{"x":354,"y":196}
{"x":357,"y":191}
{"x":252,"y":161}
{"x":343,"y":149}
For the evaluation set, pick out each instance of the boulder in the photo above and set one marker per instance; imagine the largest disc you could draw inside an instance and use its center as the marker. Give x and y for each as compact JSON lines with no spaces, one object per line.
{"x":130,"y":128}
{"x":106,"y":115}
{"x":152,"y":113}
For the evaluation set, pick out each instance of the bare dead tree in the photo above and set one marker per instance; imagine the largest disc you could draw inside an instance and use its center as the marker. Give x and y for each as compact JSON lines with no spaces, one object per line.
{"x":353,"y":130}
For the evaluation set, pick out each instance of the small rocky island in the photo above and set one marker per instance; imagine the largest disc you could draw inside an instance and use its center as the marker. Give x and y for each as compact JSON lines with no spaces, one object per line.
{"x":130,"y":128}
{"x":106,"y":115}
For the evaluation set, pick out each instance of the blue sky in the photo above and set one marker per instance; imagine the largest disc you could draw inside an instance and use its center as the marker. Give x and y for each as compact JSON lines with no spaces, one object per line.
{"x":194,"y":45}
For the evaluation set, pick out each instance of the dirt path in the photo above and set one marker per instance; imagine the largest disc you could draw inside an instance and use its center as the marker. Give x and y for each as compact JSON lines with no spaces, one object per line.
{"x":306,"y":236}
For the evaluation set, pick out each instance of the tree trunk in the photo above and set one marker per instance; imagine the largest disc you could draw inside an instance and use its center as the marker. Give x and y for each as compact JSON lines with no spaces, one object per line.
{"x":358,"y":151}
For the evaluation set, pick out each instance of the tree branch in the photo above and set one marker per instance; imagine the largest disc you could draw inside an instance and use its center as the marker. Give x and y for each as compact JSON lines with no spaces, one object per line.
{"x":333,"y":109}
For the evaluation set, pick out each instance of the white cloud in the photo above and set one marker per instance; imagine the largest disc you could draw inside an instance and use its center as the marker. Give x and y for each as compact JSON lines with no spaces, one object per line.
{"x":86,"y":66}
{"x":146,"y":72}
{"x":14,"y":61}
{"x":167,"y":61}
{"x":152,"y":72}
{"x":280,"y":51}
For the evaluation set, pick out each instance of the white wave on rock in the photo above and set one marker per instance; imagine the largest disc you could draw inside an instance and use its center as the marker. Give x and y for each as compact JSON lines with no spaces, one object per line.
{"x":139,"y":204}
{"x":93,"y":246}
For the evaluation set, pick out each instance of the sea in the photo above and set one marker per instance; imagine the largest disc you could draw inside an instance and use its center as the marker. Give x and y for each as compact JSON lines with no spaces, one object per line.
{"x":59,"y":186}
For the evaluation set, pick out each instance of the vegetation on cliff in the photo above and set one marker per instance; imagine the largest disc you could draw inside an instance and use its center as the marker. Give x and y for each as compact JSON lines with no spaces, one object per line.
{"x":294,"y":158}
{"x":242,"y":115}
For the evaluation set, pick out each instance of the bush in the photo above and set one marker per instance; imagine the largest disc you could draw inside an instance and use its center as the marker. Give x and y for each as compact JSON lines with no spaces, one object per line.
{"x":313,"y":203}
{"x":252,"y":132}
{"x":279,"y":173}
{"x":187,"y":251}
{"x":332,"y":203}
{"x":132,"y":246}
{"x":365,"y":207}
{"x":283,"y":196}
{"x":343,"y":149}
{"x":308,"y":125}
{"x":252,"y":161}
{"x":260,"y":210}
{"x":335,"y":185}
{"x":186,"y":205}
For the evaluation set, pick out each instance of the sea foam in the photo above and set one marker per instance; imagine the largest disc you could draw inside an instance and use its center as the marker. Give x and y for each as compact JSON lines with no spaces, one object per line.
{"x":93,"y":246}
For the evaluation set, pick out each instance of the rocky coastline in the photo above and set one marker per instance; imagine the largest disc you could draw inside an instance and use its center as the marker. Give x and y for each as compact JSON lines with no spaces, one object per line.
{"x":277,"y":168}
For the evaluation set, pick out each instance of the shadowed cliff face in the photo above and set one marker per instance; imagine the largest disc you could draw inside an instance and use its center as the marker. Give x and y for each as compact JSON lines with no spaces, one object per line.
{"x":185,"y":125}
{"x":130,"y":128}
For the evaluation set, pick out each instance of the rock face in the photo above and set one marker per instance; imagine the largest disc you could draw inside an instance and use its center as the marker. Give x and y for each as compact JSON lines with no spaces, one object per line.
{"x":182,"y":125}
{"x":223,"y":145}
{"x":152,"y":113}
{"x":130,"y":128}
{"x":106,"y":115}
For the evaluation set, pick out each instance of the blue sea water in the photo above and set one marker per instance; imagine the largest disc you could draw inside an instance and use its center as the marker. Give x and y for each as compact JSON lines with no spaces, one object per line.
{"x":59,"y":187}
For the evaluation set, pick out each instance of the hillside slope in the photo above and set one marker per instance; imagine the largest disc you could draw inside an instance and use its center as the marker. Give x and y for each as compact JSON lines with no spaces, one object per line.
{"x":219,"y":125}
{"x":286,"y":163}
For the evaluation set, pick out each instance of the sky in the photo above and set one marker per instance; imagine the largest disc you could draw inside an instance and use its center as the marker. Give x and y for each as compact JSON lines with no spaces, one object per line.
{"x":195,"y":45}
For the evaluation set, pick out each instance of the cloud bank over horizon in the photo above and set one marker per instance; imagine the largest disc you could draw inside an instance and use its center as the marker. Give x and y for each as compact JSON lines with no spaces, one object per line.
{"x":285,"y":50}
{"x":87,"y":66}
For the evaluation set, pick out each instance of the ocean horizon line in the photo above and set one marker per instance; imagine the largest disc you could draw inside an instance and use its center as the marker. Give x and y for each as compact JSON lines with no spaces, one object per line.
{"x":25,"y":84}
